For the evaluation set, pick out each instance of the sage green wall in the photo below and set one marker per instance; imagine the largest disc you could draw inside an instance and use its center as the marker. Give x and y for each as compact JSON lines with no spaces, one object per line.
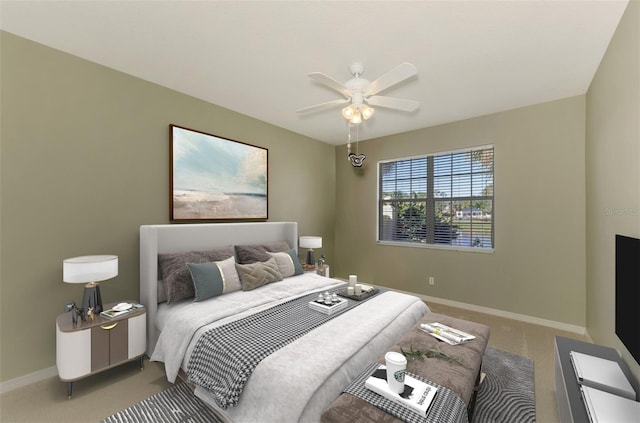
{"x":538,"y":268}
{"x":85,"y":162}
{"x":613,"y":173}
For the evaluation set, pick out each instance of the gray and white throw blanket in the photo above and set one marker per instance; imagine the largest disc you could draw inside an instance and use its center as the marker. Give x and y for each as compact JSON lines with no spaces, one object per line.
{"x":224,"y":357}
{"x":447,"y":406}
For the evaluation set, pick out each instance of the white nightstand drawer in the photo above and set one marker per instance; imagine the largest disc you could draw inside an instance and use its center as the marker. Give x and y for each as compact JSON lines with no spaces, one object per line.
{"x":73,"y":353}
{"x":137,"y":335}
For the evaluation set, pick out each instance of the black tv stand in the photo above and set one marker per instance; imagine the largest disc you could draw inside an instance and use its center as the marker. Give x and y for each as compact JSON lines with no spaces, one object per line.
{"x":570,"y":405}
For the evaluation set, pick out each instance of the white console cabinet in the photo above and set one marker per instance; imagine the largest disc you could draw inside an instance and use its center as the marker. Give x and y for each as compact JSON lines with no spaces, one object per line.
{"x":89,"y":347}
{"x":571,"y":408}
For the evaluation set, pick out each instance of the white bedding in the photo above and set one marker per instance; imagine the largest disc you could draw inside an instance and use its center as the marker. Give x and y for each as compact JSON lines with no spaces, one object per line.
{"x":299,"y":381}
{"x":180,"y":324}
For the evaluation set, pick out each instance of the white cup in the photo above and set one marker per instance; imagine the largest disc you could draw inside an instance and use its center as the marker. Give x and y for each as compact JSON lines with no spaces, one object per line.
{"x":358,"y":289}
{"x":396,"y":367}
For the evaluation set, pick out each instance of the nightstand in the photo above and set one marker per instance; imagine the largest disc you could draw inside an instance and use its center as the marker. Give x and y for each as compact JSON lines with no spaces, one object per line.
{"x":96,"y":345}
{"x":324,"y":272}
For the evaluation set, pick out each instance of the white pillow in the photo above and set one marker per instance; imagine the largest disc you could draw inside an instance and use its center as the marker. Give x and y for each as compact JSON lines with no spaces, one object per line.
{"x":230,"y":275}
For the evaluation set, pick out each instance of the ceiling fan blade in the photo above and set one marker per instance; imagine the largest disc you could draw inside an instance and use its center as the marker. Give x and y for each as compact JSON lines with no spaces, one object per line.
{"x":391,"y":78}
{"x":325,"y":105}
{"x":331,"y":83}
{"x":393,"y":103}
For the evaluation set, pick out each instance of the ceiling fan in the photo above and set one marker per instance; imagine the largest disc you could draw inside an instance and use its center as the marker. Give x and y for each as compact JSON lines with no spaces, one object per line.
{"x":360,"y":94}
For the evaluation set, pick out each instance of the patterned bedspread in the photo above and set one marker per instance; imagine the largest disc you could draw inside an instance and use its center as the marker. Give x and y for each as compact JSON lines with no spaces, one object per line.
{"x":300,"y":380}
{"x":224,"y":357}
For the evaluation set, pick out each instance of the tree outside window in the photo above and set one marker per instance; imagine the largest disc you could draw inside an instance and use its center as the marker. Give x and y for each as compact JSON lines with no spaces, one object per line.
{"x":440,"y":199}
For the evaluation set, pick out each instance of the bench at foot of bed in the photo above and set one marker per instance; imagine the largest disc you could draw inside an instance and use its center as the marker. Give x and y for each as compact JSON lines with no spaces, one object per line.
{"x":462,"y":376}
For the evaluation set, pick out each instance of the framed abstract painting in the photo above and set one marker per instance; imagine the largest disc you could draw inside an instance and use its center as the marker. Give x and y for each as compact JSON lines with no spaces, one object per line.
{"x":215,"y":178}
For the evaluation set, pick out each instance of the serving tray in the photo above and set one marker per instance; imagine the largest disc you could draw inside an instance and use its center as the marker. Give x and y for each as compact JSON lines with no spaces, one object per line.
{"x":364,"y":295}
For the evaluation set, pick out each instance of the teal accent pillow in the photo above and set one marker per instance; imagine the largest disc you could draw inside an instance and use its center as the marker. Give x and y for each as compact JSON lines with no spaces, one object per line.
{"x":214,"y":278}
{"x":207,"y":280}
{"x":296,"y":262}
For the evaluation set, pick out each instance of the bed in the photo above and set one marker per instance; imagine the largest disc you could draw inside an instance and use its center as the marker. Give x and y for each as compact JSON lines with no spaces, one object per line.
{"x":300,"y":379}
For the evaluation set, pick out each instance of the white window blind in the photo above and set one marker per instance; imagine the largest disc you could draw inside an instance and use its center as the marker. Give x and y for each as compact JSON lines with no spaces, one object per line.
{"x":440,"y":199}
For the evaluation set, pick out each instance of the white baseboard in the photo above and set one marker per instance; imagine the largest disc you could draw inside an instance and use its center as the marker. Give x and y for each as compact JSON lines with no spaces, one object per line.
{"x":25,"y":380}
{"x":501,"y":313}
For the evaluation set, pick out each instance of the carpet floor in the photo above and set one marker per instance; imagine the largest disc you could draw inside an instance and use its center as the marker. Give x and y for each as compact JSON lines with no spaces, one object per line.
{"x":506,"y":395}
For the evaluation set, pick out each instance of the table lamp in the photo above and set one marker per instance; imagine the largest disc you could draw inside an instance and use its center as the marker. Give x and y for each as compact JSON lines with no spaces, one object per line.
{"x":310,"y":242}
{"x":90,"y":270}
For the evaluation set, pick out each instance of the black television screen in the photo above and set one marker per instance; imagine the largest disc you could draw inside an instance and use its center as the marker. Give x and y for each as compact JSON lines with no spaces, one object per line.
{"x":628,"y":293}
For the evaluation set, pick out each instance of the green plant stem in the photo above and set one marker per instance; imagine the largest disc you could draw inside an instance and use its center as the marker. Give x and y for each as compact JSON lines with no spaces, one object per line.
{"x":430,"y":353}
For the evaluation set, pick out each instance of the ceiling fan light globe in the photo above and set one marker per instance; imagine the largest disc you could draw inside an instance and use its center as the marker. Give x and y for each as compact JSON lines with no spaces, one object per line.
{"x":366,"y":111}
{"x":348,"y":112}
{"x":356,"y":119}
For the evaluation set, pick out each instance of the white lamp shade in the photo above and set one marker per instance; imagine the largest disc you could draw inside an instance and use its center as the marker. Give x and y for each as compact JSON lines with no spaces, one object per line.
{"x":310,"y":242}
{"x":89,"y":268}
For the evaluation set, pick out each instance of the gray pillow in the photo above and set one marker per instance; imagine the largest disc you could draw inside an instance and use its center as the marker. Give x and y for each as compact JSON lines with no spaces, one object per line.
{"x":175,"y":273}
{"x":254,"y":275}
{"x":259,"y":252}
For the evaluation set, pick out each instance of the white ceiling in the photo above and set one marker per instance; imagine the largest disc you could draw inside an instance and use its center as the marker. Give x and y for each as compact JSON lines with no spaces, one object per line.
{"x":473,"y":57}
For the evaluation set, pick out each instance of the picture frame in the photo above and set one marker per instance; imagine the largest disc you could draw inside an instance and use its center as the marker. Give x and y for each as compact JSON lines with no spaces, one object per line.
{"x":213,"y":178}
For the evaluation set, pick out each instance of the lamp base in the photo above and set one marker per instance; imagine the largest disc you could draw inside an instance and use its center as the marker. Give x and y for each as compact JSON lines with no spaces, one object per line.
{"x":91,"y":299}
{"x":311,"y":260}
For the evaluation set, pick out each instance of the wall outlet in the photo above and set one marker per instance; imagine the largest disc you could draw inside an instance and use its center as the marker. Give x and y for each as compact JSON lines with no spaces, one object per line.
{"x":432,"y":280}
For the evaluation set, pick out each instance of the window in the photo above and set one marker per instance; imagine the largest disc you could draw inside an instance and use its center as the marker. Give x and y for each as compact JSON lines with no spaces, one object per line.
{"x":443,"y":199}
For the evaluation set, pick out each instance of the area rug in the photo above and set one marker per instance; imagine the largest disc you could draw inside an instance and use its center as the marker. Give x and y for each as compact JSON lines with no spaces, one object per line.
{"x":176,"y":404}
{"x":506,"y":395}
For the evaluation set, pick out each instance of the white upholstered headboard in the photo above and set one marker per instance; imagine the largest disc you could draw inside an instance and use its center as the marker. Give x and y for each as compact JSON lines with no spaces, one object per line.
{"x":158,"y":239}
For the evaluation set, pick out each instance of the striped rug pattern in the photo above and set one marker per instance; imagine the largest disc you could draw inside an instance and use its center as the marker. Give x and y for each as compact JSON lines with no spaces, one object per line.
{"x":506,"y":396}
{"x":508,"y":391}
{"x":176,"y":404}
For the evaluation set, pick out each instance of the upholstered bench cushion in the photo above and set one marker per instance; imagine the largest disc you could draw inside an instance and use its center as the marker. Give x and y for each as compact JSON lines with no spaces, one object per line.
{"x":460,"y":378}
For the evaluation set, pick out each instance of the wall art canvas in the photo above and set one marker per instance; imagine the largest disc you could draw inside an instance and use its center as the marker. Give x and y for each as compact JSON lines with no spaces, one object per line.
{"x":215,"y":178}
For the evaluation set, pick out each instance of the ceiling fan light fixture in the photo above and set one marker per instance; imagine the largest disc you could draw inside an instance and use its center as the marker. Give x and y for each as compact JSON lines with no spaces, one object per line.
{"x":358,"y":92}
{"x":349,"y":112}
{"x":366,"y":111}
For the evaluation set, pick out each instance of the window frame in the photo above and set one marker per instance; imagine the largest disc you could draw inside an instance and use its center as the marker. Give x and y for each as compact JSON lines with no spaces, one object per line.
{"x":431,"y":200}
